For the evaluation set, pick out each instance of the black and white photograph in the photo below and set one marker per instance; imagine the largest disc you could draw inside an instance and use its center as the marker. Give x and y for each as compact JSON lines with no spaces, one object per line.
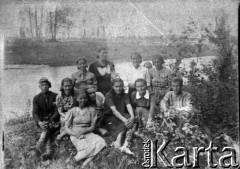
{"x":119,"y":84}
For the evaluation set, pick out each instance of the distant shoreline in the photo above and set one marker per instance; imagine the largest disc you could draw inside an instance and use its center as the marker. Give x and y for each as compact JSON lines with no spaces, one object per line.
{"x":36,"y":66}
{"x":29,"y":52}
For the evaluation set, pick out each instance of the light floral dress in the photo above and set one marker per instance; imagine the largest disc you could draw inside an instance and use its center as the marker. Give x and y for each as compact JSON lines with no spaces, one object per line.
{"x":64,"y":103}
{"x":80,"y":119}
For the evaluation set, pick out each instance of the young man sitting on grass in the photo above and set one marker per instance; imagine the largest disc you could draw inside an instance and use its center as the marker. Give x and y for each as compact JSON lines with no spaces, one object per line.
{"x":177,"y":103}
{"x":46,"y":117}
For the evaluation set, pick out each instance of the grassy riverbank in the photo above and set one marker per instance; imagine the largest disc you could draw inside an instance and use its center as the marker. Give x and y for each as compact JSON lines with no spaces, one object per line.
{"x":22,"y":134}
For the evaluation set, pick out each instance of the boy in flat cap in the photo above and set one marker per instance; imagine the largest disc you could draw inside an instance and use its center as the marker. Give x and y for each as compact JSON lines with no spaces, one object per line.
{"x":46,"y":116}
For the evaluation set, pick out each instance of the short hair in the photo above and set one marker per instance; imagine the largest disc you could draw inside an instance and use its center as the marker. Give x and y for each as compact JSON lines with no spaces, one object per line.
{"x":159,"y":57}
{"x":140,"y":80}
{"x":177,"y":79}
{"x":81,"y":58}
{"x":136,"y":54}
{"x":101,"y":49}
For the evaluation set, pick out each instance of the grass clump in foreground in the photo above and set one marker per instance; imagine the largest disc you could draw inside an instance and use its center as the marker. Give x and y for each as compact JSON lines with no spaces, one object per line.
{"x":21,"y":136}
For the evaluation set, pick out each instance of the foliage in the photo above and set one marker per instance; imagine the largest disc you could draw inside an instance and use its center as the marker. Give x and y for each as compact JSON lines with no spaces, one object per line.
{"x":214,"y":89}
{"x":59,"y":19}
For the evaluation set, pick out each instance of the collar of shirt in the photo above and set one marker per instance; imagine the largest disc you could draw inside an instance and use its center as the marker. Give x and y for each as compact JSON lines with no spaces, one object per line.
{"x":146,"y":96}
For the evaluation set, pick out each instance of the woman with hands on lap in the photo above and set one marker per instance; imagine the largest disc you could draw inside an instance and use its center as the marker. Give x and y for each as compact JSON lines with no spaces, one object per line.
{"x":120,"y":118}
{"x":80,"y":124}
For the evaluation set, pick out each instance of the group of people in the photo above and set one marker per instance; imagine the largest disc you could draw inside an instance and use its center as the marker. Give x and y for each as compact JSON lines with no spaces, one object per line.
{"x":97,"y":101}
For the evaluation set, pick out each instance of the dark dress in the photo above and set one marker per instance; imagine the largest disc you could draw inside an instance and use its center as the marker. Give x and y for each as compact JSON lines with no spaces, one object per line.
{"x":103,"y":75}
{"x":113,"y":124}
{"x":141,"y":106}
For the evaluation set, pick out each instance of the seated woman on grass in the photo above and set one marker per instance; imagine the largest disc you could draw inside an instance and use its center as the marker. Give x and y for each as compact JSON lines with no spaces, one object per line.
{"x":143,"y":104}
{"x":83,"y":77}
{"x":80,"y":124}
{"x":96,"y":100}
{"x":65,"y":101}
{"x":120,"y":119}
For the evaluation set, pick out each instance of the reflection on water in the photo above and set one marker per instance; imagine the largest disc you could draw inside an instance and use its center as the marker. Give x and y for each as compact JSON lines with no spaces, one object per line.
{"x":20,"y":85}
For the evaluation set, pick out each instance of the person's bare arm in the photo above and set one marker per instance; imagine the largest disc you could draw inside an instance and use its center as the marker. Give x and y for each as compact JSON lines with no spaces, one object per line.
{"x":117,"y":114}
{"x":131,"y":119}
{"x":68,"y":124}
{"x":130,"y":110}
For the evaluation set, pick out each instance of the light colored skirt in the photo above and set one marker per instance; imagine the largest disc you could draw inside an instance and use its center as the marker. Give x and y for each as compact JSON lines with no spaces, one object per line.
{"x":88,"y":146}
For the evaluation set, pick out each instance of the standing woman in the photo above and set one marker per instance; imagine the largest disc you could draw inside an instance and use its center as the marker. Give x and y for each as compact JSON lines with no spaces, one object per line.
{"x":103,"y":71}
{"x":159,"y":77}
{"x":83,"y":77}
{"x":80,"y":124}
{"x":120,"y":119}
{"x":64,"y":102}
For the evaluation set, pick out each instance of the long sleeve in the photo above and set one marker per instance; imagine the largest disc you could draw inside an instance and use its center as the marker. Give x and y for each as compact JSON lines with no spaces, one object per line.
{"x":35,"y":112}
{"x":164,"y":103}
{"x":187,"y":103}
